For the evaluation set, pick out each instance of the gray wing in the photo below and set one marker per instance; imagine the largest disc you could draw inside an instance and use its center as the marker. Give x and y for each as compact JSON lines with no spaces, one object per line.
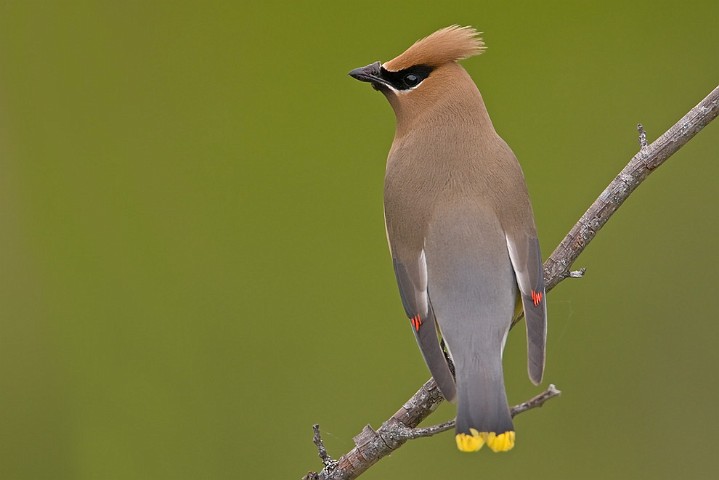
{"x":412,"y":282}
{"x":527,"y":263}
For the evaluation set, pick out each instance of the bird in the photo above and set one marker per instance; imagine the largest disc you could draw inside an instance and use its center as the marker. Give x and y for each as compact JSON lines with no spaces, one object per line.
{"x":461,"y":232}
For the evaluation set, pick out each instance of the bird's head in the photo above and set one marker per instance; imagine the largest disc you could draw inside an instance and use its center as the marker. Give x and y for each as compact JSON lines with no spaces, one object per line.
{"x":427,"y":72}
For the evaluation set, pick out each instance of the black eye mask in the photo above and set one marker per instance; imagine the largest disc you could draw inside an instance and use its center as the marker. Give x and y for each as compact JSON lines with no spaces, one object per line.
{"x":407,"y":78}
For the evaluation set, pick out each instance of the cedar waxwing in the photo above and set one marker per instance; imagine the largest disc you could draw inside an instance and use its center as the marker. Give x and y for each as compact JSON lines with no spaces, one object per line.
{"x":460,"y":230}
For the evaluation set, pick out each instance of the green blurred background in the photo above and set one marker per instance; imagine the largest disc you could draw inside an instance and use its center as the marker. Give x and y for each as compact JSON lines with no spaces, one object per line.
{"x":193,"y":266}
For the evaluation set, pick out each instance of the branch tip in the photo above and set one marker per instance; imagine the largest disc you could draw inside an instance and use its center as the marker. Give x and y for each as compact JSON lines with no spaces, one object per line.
{"x":577,"y":273}
{"x":327,"y":461}
{"x":537,"y":401}
{"x":642,"y":136}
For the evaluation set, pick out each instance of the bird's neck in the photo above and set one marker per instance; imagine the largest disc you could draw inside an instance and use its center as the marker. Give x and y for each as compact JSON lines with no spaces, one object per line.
{"x":453,"y":102}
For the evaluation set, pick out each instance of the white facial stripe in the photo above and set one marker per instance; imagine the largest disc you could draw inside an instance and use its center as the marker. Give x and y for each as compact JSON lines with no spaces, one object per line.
{"x":407,"y":90}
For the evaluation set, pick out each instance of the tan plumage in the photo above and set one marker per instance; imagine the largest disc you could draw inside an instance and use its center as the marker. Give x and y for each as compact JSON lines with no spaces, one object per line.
{"x":449,"y":44}
{"x":461,"y":231}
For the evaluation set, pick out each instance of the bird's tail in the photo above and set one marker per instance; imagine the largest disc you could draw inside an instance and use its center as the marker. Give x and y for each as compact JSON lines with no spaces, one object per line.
{"x":483,"y":415}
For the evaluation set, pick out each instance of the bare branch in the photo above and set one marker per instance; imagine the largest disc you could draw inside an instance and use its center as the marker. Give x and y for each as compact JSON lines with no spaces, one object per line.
{"x":556,"y":268}
{"x":327,"y":461}
{"x":401,"y":431}
{"x":537,"y":401}
{"x":371,"y":445}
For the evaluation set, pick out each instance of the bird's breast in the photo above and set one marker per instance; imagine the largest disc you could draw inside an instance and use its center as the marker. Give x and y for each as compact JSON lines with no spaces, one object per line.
{"x":417,"y":183}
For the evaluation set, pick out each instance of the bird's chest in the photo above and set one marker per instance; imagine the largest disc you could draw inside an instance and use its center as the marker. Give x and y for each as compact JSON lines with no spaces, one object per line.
{"x":414,"y":189}
{"x":408,"y":204}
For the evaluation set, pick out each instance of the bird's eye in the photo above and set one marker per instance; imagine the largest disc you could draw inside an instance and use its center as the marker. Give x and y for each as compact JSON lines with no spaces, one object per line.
{"x":411,"y":80}
{"x":406,"y":79}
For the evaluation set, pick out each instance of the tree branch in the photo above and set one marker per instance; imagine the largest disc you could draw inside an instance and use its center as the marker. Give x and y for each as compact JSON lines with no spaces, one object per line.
{"x":371,"y":445}
{"x":649,"y":157}
{"x":401,"y":431}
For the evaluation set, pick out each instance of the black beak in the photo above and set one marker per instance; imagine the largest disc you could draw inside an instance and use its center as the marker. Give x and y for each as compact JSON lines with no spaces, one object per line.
{"x":371,"y":73}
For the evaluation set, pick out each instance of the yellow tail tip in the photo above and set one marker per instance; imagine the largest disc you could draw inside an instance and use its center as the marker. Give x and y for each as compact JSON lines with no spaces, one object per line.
{"x":500,"y":443}
{"x":469,"y":443}
{"x":475,"y":440}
